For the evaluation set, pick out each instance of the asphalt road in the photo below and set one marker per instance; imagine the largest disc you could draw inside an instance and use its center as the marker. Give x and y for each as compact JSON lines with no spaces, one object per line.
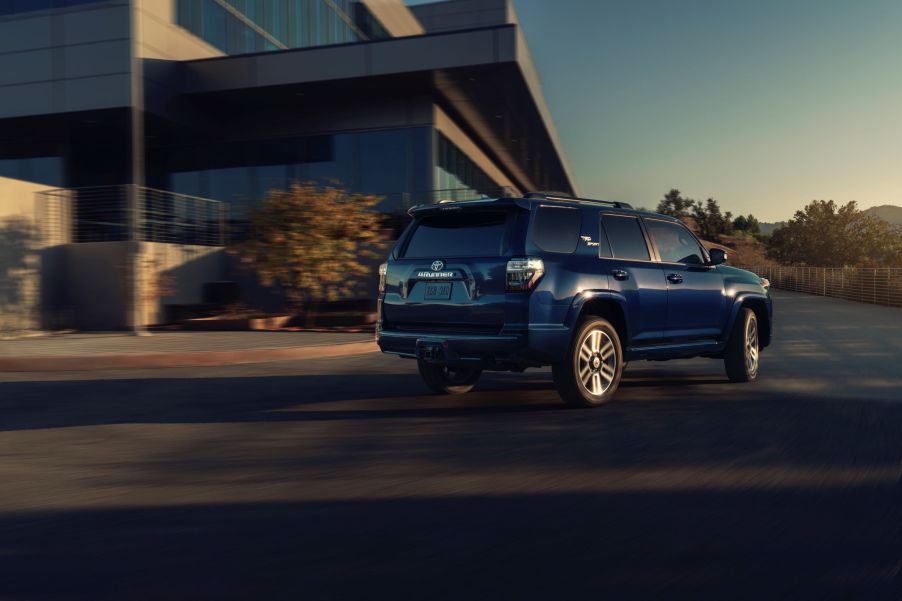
{"x":343,"y":479}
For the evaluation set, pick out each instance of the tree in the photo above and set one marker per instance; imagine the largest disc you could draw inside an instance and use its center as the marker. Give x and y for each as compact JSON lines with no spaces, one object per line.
{"x":710,"y":223}
{"x":826,"y":234}
{"x":313,"y":241}
{"x":748,"y":224}
{"x":675,"y":205}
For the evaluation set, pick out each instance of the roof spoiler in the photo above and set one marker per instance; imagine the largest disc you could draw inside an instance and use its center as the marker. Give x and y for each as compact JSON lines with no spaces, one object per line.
{"x":451,"y":205}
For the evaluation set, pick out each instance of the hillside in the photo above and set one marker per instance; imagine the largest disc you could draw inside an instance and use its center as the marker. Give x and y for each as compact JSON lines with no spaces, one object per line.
{"x":768,"y":228}
{"x":890,"y":213}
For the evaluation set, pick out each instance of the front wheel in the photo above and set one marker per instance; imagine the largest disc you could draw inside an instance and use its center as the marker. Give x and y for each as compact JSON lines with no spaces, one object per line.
{"x":591,"y":373}
{"x":443,"y":379}
{"x":742,"y":352}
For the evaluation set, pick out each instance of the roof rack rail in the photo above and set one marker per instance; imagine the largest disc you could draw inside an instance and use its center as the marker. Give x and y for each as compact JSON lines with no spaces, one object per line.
{"x":559,"y":196}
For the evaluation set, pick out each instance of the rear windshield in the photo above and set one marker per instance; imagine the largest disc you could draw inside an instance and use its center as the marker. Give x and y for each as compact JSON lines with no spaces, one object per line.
{"x":460,"y":234}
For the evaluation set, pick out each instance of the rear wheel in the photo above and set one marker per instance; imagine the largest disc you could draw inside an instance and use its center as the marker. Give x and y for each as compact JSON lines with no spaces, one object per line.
{"x":591,"y":373}
{"x":443,"y":379}
{"x":742,"y":352}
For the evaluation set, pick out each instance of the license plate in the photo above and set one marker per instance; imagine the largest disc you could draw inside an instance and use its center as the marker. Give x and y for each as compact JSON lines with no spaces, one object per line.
{"x":438,"y":291}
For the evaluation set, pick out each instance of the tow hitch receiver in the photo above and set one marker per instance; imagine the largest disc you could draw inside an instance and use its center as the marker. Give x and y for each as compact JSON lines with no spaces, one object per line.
{"x":431,"y":351}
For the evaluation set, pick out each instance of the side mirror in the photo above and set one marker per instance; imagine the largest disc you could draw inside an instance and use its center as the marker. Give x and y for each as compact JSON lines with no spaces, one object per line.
{"x":718,"y":256}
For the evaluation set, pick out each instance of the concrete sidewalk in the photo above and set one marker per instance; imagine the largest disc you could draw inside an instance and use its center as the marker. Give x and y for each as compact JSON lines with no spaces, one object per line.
{"x":174,"y":349}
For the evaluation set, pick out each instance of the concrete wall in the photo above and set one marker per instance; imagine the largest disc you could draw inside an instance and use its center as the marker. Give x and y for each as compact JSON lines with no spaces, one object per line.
{"x":175,"y":274}
{"x":395,"y":16}
{"x":158,"y":37}
{"x":70,"y":59}
{"x":20,"y":252}
{"x":95,"y":291}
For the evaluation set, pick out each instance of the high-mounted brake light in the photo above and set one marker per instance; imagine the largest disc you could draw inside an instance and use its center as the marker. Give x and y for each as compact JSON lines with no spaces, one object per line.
{"x":383,"y":269}
{"x":523,"y":273}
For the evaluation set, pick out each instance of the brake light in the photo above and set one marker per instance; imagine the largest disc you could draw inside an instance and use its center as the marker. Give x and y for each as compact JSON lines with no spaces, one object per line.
{"x":383,"y":269}
{"x":524,"y":273}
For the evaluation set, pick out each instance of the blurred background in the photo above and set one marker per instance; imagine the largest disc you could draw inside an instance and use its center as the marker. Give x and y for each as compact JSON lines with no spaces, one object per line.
{"x":138,"y":137}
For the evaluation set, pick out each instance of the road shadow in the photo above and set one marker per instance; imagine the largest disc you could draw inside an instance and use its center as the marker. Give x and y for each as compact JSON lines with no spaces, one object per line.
{"x":784,"y":543}
{"x":702,"y":423}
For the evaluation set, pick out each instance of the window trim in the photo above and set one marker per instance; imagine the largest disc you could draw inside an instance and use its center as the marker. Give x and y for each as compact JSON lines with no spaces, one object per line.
{"x":652,"y":252}
{"x":706,"y":257}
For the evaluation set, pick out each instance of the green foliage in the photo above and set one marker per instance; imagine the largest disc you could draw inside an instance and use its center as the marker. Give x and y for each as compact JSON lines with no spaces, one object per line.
{"x":675,"y":205}
{"x":710,"y":223}
{"x":705,"y":218}
{"x":313,"y":241}
{"x":824,"y":233}
{"x":748,"y":224}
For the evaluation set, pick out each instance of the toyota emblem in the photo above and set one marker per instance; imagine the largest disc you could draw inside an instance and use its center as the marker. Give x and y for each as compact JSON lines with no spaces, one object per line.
{"x":438,"y":265}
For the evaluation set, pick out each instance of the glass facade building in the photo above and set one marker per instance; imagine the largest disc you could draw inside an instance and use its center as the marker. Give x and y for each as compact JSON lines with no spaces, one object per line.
{"x":166,"y":122}
{"x":394,"y":164}
{"x":245,"y":26}
{"x":42,"y":170}
{"x":456,"y":175}
{"x":9,"y":7}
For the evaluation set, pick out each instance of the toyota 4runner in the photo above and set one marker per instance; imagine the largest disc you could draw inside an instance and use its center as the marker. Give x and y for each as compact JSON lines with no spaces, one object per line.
{"x":584,"y":286}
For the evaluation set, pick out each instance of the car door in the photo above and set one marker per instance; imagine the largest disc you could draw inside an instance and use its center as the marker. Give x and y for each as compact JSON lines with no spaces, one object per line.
{"x":696,"y":301}
{"x":627,"y":259}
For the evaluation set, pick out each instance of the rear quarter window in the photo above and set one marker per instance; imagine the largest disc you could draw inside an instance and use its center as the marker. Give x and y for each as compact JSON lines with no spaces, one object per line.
{"x":459,"y":234}
{"x":626,"y":238}
{"x":556,"y":229}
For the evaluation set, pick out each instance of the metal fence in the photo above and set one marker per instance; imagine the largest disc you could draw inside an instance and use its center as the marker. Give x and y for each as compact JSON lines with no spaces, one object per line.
{"x":879,"y":286}
{"x":128,"y":212}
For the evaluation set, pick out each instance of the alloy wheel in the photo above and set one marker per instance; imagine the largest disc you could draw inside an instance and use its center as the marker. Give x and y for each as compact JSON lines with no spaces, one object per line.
{"x":751,"y":347}
{"x":597,"y":362}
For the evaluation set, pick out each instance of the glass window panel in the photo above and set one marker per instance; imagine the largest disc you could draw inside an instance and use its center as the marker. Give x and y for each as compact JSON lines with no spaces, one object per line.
{"x":556,"y":229}
{"x":470,"y":234}
{"x":626,"y":238}
{"x":231,"y":185}
{"x":674,"y":242}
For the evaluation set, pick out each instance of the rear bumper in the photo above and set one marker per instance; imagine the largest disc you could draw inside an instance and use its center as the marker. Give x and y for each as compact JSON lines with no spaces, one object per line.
{"x":456,"y":349}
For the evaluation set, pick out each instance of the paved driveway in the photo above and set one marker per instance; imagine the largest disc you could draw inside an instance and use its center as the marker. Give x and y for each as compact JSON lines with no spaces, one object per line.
{"x":342,"y":479}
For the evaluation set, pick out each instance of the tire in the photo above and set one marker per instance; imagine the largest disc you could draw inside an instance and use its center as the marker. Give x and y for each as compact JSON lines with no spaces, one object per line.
{"x":442,"y":379}
{"x":601,"y":371}
{"x":743,"y":352}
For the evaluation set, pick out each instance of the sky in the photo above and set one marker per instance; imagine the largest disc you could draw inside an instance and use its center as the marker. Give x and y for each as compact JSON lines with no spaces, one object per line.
{"x":764,"y":105}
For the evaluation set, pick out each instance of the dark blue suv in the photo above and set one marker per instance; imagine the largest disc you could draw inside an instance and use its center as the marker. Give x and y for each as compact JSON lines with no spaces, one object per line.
{"x":582,"y":285}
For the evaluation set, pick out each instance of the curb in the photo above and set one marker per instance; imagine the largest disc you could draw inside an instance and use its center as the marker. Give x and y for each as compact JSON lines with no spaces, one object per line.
{"x":183,"y":359}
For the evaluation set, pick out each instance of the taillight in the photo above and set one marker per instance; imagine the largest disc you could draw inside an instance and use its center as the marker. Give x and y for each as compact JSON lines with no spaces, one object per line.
{"x":523,"y":273}
{"x":383,"y":269}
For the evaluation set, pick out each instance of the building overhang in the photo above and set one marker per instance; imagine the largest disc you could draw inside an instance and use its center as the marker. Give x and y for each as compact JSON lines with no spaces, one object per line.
{"x":483,"y":77}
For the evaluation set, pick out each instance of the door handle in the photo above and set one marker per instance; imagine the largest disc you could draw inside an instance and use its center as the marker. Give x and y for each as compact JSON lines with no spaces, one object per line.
{"x":620,"y":274}
{"x":675,"y":278}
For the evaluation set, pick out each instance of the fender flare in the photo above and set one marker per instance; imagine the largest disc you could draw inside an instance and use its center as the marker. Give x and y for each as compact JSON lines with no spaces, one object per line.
{"x":585,"y":296}
{"x":738,"y":302}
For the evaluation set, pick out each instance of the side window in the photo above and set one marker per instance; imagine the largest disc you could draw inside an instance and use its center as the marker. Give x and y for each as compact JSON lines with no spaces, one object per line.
{"x":625,"y":237}
{"x":674,"y":242}
{"x":556,"y":229}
